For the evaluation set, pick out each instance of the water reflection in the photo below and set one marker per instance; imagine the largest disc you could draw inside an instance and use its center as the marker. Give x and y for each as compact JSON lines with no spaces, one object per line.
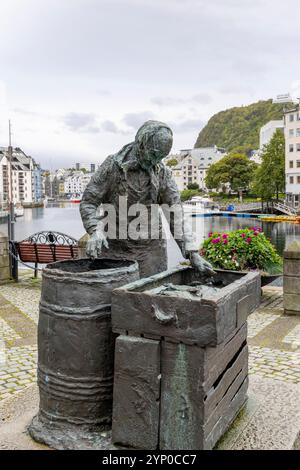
{"x":65,"y":217}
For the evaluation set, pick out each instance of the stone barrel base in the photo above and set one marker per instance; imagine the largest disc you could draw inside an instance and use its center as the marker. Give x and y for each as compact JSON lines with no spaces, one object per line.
{"x":73,"y":437}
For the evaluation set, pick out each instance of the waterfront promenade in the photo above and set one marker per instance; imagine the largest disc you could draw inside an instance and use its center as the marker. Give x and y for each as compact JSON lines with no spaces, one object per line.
{"x":269,"y":421}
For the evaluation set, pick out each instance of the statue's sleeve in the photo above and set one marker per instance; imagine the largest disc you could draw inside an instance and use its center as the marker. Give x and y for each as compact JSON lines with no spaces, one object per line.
{"x":96,"y":193}
{"x":180,"y":224}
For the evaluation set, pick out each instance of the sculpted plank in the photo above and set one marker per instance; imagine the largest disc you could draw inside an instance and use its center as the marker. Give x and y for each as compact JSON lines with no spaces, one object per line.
{"x":136,"y":392}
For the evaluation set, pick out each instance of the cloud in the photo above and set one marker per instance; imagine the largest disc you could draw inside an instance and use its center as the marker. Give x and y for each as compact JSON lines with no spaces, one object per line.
{"x":25,"y":112}
{"x":110,"y":126}
{"x":187,"y":125}
{"x":166,"y":101}
{"x":135,"y":120}
{"x":200,"y":98}
{"x":83,"y":122}
{"x":103,"y":92}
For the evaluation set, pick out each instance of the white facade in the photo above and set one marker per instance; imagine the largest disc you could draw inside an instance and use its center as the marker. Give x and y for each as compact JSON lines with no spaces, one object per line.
{"x":77,"y":182}
{"x":255,"y":157}
{"x":194,"y":165}
{"x":267,"y":131}
{"x":292,"y":156}
{"x":22,"y":168}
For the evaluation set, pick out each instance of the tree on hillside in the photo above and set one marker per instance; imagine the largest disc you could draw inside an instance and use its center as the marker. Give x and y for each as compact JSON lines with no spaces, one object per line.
{"x":187,"y":194}
{"x":235,"y":169}
{"x":193,"y":186}
{"x":269,"y":178}
{"x":172,"y":162}
{"x":239,"y":126}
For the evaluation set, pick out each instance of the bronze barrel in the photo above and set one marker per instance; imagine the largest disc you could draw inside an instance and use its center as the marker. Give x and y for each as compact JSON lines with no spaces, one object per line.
{"x":75,"y":340}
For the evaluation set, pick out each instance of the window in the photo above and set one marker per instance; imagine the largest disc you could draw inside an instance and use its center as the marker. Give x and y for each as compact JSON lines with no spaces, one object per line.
{"x":291,"y":164}
{"x":291,"y":147}
{"x":298,"y":116}
{"x":298,"y":132}
{"x":291,"y":118}
{"x":291,"y":133}
{"x":298,"y":163}
{"x":298,"y":179}
{"x":291,"y":180}
{"x":298,"y":147}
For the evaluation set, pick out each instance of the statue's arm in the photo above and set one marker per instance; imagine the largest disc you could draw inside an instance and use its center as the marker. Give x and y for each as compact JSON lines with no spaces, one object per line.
{"x":95,"y":194}
{"x":173,"y":210}
{"x":180,"y":225}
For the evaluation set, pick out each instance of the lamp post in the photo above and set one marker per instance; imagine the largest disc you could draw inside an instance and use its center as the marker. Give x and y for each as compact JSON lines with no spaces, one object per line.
{"x":11,"y":212}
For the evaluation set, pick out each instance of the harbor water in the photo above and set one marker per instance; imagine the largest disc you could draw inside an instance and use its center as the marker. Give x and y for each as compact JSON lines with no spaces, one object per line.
{"x":65,"y":218}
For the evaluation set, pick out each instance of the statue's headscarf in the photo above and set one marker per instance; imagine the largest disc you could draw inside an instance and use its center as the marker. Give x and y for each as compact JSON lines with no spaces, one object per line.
{"x":152,"y":139}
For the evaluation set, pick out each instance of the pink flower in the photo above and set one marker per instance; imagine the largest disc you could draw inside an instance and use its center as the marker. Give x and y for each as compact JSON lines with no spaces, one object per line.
{"x":210,"y":234}
{"x":243,"y":235}
{"x":255,"y":233}
{"x":216,"y":240}
{"x":225,"y":241}
{"x":225,"y":235}
{"x":248,"y":240}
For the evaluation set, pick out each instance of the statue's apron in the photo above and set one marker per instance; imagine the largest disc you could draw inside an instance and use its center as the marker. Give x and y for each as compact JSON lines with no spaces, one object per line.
{"x":151,"y":254}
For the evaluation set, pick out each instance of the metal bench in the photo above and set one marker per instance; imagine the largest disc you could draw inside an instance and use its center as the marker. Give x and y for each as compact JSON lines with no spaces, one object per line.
{"x":44,"y":248}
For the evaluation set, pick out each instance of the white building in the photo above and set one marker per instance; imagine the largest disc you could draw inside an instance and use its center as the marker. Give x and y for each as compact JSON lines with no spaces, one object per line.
{"x":292,"y":156}
{"x":23,"y":180}
{"x":256,"y":157}
{"x":89,"y":167}
{"x":77,"y":182}
{"x":194,"y":164}
{"x":267,"y":131}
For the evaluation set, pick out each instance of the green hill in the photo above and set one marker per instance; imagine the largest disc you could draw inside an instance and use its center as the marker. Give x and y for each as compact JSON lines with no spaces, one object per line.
{"x":239,"y":126}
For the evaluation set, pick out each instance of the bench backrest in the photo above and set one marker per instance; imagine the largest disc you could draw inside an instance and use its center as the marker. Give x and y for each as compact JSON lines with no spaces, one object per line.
{"x":46,"y":247}
{"x":43,"y":253}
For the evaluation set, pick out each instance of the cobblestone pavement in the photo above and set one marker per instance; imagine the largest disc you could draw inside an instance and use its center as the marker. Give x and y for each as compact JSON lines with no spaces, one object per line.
{"x":18,"y":322}
{"x":274,"y":339}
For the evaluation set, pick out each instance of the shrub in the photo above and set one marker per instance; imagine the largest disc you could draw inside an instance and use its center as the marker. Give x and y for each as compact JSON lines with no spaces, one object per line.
{"x":242,"y":249}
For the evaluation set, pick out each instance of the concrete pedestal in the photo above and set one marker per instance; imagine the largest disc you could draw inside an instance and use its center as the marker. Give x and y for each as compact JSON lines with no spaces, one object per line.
{"x":4,"y":258}
{"x":291,"y":279}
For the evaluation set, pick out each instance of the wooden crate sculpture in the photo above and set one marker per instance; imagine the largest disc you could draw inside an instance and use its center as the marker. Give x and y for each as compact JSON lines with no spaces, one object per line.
{"x":181,"y":360}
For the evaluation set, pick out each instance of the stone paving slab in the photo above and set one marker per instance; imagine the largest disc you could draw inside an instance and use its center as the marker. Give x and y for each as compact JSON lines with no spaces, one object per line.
{"x":25,"y":298}
{"x":270,"y":419}
{"x":293,"y":337}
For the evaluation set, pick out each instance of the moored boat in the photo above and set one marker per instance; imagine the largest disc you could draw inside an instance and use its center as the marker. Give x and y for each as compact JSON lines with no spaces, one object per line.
{"x":200,"y":205}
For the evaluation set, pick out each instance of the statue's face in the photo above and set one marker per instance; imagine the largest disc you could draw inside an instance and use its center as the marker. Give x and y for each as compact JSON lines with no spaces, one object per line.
{"x":155,"y":148}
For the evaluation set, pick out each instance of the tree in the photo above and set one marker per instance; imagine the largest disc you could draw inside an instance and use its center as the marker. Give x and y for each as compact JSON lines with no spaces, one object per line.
{"x":187,"y":194}
{"x":234,"y":169}
{"x":172,"y":162}
{"x":193,"y":186}
{"x":269,"y":179}
{"x":239,"y":126}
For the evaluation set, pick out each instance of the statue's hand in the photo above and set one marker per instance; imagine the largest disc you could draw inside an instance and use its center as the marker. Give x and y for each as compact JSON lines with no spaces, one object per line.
{"x":95,"y":244}
{"x":199,"y":263}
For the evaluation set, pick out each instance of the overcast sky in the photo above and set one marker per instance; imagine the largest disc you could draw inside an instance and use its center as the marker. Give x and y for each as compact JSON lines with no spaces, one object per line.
{"x":78,"y":77}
